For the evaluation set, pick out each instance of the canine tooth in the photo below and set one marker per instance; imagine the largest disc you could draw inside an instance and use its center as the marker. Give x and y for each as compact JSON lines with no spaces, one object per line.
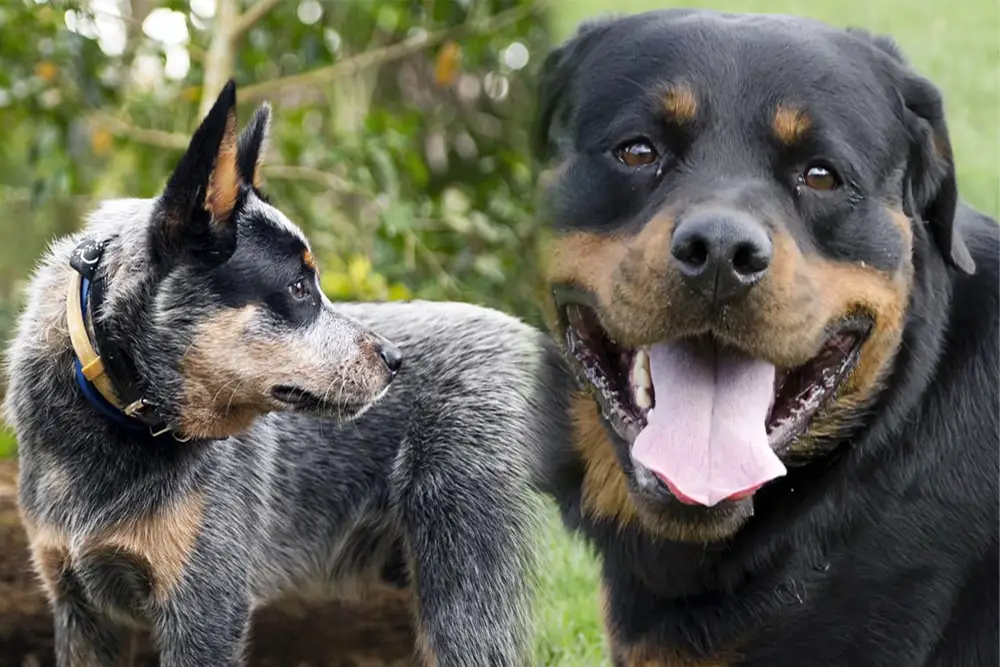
{"x":640,"y":370}
{"x":642,"y":398}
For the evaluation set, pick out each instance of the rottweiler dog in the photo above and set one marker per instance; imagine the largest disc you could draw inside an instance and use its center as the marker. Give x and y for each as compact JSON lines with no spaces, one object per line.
{"x":785,"y":319}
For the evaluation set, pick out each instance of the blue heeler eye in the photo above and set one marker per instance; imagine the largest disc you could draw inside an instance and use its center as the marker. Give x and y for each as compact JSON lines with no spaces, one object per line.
{"x":299,"y":289}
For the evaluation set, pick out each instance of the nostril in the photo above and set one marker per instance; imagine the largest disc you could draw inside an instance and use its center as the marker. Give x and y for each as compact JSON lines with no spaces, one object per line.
{"x":750,"y":258}
{"x":692,"y":252}
{"x":392,"y":358}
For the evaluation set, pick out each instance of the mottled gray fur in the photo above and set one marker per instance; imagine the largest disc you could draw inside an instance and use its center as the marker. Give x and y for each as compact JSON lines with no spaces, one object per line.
{"x":428,"y":491}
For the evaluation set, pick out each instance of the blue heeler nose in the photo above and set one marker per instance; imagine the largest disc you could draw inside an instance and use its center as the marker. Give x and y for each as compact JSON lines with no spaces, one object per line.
{"x":392,"y":357}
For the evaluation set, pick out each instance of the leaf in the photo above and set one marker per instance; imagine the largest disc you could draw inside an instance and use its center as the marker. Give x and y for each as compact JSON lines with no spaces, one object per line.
{"x":447,"y":66}
{"x":358,"y":269}
{"x":46,"y":70}
{"x":101,"y":141}
{"x":399,"y":292}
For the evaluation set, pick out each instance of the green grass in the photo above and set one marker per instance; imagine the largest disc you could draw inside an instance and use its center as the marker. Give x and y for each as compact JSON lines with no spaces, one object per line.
{"x":954,"y":44}
{"x":569,"y":621}
{"x":8,"y":446}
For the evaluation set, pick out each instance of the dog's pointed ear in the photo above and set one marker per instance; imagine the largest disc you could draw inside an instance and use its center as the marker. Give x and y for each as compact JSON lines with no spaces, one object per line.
{"x":552,"y":92}
{"x":930,"y":188}
{"x":252,"y":145}
{"x":196,"y":207}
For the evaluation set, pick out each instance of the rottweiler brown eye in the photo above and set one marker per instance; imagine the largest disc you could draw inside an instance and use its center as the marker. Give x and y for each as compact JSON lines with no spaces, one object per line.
{"x":299,"y":289}
{"x":636,"y":154}
{"x":820,"y":178}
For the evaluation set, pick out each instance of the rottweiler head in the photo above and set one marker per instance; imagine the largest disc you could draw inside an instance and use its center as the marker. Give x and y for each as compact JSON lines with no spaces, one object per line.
{"x":734,"y":200}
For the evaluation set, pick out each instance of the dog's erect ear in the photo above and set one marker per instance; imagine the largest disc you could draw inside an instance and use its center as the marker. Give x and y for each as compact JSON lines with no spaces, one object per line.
{"x":930,"y":189}
{"x":196,"y":208}
{"x":252,"y":144}
{"x":554,"y":86}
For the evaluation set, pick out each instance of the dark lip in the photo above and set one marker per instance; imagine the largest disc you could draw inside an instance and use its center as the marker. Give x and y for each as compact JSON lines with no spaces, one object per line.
{"x":303,"y":400}
{"x":860,"y":328}
{"x":564,"y":296}
{"x":625,"y":424}
{"x":568,"y":295}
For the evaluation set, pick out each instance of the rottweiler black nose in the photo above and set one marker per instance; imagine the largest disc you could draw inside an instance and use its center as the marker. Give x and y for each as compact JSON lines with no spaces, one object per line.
{"x":392,"y":357}
{"x":721,"y":254}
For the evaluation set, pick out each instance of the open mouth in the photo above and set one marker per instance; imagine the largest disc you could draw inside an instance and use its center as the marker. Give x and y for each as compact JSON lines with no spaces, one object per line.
{"x":706,"y":419}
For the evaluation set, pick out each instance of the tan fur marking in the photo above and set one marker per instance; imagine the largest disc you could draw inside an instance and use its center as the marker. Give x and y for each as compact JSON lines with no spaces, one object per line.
{"x":309,"y":260}
{"x":164,"y":540}
{"x":234,"y":362}
{"x":258,"y":170}
{"x":640,"y":300}
{"x":224,"y":375}
{"x":605,"y":487}
{"x":424,"y":655}
{"x":844,"y":289}
{"x":790,"y":124}
{"x":627,"y":274}
{"x":49,"y":554}
{"x":680,"y":103}
{"x":224,"y":183}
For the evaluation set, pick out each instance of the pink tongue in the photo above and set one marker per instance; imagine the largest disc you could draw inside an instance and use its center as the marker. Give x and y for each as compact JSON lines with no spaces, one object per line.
{"x":705,"y":437}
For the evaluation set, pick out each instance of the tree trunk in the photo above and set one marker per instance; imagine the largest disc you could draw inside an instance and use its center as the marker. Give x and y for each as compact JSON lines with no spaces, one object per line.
{"x":295,"y":633}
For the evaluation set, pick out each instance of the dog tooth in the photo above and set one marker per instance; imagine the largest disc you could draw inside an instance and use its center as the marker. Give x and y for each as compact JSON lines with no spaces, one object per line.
{"x":642,"y":398}
{"x":640,"y":369}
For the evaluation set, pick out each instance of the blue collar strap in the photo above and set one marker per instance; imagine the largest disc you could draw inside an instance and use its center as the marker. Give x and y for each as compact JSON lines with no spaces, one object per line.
{"x":105,"y":376}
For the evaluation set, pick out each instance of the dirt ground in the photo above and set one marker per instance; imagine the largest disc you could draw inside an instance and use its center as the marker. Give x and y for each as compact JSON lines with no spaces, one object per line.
{"x":293,"y":633}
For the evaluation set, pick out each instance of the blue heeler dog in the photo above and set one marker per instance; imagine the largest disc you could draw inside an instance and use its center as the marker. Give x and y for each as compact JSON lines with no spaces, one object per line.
{"x":179,"y":386}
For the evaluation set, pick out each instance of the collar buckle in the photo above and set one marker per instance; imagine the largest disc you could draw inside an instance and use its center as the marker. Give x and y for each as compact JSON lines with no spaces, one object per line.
{"x":108,"y":373}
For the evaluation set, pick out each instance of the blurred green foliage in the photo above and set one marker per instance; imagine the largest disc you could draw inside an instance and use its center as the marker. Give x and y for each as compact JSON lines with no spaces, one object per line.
{"x":399,"y":140}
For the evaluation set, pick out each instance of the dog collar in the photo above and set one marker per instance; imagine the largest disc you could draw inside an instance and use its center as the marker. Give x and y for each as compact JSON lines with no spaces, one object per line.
{"x":102,"y":370}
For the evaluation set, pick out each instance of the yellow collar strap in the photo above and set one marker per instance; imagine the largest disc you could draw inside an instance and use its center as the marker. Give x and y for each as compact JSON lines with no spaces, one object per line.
{"x":90,"y":361}
{"x":92,"y":373}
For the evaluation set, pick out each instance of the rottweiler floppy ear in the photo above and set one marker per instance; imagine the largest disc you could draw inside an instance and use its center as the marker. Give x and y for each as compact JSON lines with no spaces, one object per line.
{"x":932,"y":184}
{"x":196,"y":208}
{"x":252,"y":144}
{"x":554,"y":83}
{"x":930,"y":189}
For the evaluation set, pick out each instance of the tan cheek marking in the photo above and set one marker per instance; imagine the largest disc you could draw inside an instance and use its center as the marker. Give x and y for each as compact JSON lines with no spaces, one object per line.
{"x":165,"y":540}
{"x":225,"y":376}
{"x":680,"y":103}
{"x":605,"y":487}
{"x":851,"y":287}
{"x":593,"y":261}
{"x":585,"y":259}
{"x":790,"y":124}
{"x":224,"y":182}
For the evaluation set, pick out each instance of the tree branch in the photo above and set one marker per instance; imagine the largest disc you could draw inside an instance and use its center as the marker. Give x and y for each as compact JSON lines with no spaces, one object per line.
{"x":252,"y":16}
{"x":323,"y":178}
{"x":221,"y":54}
{"x":379,"y":56}
{"x":159,"y":138}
